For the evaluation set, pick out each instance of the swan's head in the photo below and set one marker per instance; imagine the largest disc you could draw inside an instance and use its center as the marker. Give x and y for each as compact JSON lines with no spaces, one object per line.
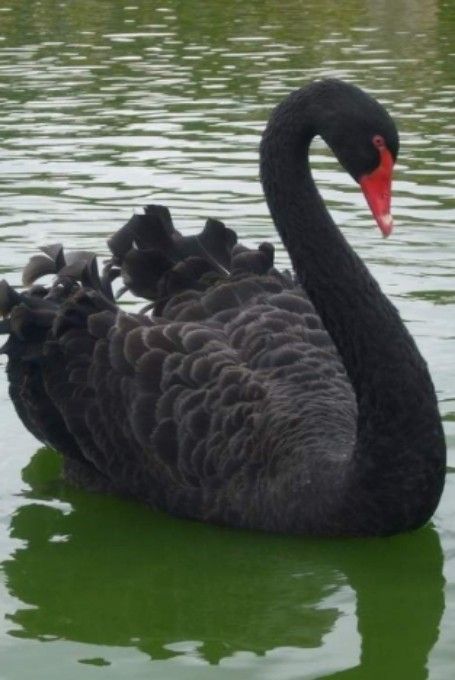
{"x":364,"y":138}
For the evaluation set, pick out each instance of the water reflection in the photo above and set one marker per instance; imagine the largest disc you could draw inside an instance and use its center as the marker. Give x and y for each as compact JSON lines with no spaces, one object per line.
{"x":101,"y":571}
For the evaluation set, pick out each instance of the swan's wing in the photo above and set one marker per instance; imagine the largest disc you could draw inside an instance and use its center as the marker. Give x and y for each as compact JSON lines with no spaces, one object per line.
{"x":226,"y":395}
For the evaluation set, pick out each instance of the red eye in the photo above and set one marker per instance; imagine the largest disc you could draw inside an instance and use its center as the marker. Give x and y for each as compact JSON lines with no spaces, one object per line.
{"x":379,"y":142}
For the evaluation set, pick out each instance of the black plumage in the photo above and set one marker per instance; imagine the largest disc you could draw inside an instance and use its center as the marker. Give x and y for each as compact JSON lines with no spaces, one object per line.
{"x":241,"y":398}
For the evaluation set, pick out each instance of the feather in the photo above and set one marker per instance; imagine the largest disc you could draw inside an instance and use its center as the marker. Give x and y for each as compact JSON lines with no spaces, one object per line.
{"x":55,"y":252}
{"x":37,"y":266}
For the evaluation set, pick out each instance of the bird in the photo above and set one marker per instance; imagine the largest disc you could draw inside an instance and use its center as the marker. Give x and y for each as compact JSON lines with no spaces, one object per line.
{"x":240,"y":395}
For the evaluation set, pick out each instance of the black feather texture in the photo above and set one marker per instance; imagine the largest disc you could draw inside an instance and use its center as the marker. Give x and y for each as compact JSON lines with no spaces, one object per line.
{"x":240,"y":398}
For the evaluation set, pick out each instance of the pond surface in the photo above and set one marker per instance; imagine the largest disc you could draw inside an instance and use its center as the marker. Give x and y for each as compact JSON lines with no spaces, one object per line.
{"x":107,"y":105}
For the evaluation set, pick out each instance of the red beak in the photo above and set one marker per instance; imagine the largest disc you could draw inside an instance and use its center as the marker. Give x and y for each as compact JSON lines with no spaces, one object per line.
{"x":377,"y":189}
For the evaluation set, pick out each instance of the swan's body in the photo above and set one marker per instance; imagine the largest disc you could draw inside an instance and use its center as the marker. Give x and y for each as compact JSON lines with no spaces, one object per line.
{"x":244,"y":399}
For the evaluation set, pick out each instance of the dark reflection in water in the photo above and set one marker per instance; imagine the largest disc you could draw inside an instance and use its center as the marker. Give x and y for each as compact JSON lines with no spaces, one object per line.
{"x":113,"y":573}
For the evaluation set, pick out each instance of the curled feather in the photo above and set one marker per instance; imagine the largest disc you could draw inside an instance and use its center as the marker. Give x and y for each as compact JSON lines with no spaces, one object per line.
{"x":37,"y":266}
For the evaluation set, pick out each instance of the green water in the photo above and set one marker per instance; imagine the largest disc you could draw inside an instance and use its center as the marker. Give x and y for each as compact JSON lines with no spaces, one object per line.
{"x":106,"y":105}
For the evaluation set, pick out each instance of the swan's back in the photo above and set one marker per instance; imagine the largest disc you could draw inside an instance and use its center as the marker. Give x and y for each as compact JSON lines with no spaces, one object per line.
{"x":215,"y":406}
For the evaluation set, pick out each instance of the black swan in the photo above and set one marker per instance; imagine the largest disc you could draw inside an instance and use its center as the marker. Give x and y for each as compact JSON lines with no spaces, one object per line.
{"x":246,"y":397}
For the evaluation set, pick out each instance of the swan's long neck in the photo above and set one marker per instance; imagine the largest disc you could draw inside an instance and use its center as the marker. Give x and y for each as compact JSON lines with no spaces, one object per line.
{"x":400,"y":446}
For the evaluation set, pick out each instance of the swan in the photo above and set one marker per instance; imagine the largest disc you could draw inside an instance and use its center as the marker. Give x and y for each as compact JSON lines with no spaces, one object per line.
{"x":247,"y":397}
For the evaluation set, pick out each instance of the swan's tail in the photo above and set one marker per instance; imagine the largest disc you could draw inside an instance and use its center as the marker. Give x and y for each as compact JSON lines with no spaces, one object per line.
{"x":34,"y":319}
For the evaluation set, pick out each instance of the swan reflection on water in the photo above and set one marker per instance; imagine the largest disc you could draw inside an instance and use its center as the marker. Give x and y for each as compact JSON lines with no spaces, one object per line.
{"x":102,"y":571}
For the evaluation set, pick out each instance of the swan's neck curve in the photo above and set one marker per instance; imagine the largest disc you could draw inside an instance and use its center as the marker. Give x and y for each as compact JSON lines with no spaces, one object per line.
{"x":395,"y":475}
